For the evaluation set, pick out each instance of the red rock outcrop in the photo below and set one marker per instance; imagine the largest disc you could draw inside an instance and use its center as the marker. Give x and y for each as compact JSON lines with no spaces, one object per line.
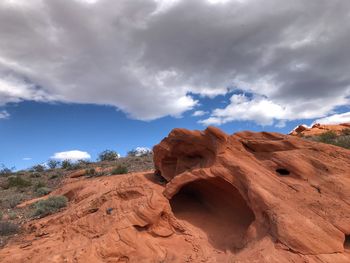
{"x":247,"y":197}
{"x":291,"y":192}
{"x":318,"y":129}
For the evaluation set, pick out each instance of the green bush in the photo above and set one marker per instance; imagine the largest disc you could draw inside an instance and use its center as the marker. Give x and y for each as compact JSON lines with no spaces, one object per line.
{"x":38,"y":168}
{"x":1,"y":215}
{"x":83,"y":163}
{"x":4,"y":171}
{"x":7,"y":228}
{"x":343,"y":142}
{"x":93,"y":173}
{"x":17,"y":181}
{"x":108,"y":155}
{"x":35,"y":175}
{"x":54,"y":176}
{"x":12,"y":215}
{"x":66,"y":164}
{"x":43,"y":191}
{"x":53,"y":164}
{"x":90,"y":172}
{"x":327,"y":137}
{"x":49,"y":206}
{"x":330,"y":137}
{"x":12,"y":201}
{"x":132,"y":153}
{"x":39,"y":185}
{"x":69,"y":165}
{"x":120,"y":169}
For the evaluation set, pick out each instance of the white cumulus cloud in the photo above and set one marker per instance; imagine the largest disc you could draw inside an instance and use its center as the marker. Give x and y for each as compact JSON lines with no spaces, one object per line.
{"x":199,"y":113}
{"x":74,"y":155}
{"x":265,"y":111}
{"x":335,"y":119}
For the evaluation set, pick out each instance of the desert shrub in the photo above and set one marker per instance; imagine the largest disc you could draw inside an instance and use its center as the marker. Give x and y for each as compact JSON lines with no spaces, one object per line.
{"x":90,"y":172}
{"x":120,"y":169}
{"x":18,"y":181}
{"x":75,"y":166}
{"x":343,"y":142}
{"x":35,"y":175}
{"x":20,"y":173}
{"x":93,"y":173}
{"x":69,"y":165}
{"x":13,"y":200}
{"x":49,"y":206}
{"x":330,"y":137}
{"x":12,"y":215}
{"x":83,"y":162}
{"x":346,"y":131}
{"x":4,"y":171}
{"x":38,"y":168}
{"x":54,"y":176}
{"x":327,"y":137}
{"x":132,"y":153}
{"x":7,"y":228}
{"x":66,"y":164}
{"x":108,"y":155}
{"x":43,"y":191}
{"x":53,"y":164}
{"x":39,"y":185}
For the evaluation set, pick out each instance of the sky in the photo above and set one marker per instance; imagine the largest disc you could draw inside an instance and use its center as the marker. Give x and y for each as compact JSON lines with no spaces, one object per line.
{"x":81,"y":76}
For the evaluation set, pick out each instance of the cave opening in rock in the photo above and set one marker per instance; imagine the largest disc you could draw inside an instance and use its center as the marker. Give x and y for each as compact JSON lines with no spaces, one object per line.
{"x":282,"y":171}
{"x":217,"y":209}
{"x":347,"y":242}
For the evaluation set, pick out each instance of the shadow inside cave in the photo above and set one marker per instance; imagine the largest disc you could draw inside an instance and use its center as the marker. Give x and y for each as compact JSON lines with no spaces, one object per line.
{"x":217,"y":208}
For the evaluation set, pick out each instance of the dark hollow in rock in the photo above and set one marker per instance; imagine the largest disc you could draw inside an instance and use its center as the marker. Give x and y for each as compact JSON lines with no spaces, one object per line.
{"x":216,"y":208}
{"x":141,"y":228}
{"x":282,"y":171}
{"x":347,"y":242}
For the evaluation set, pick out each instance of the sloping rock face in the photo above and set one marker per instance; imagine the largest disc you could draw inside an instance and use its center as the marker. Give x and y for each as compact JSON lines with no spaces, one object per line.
{"x":318,"y":129}
{"x":248,"y":197}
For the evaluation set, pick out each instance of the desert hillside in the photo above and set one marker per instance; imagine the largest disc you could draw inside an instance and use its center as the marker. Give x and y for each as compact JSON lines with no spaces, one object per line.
{"x":212,"y":197}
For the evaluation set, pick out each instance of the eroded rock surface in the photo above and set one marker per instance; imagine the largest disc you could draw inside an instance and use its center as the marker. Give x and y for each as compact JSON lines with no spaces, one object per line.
{"x":318,"y":129}
{"x":291,"y":192}
{"x":247,"y":197}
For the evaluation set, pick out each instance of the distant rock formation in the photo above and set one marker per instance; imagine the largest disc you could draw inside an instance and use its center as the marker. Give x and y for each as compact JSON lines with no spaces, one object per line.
{"x":317,"y":129}
{"x":247,"y":197}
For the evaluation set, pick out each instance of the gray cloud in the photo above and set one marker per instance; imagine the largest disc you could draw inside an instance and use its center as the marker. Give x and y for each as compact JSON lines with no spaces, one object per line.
{"x":147,"y":57}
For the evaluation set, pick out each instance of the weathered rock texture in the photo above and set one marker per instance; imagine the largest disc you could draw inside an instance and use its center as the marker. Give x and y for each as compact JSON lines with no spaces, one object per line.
{"x":248,"y":197}
{"x":264,"y":187}
{"x":318,"y":129}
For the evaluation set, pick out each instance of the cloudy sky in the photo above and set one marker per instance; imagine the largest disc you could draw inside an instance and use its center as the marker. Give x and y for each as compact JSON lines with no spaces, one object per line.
{"x":82,"y":75}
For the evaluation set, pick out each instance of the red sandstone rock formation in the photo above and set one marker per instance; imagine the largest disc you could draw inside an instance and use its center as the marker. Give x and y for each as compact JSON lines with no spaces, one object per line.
{"x":248,"y":197}
{"x":318,"y":129}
